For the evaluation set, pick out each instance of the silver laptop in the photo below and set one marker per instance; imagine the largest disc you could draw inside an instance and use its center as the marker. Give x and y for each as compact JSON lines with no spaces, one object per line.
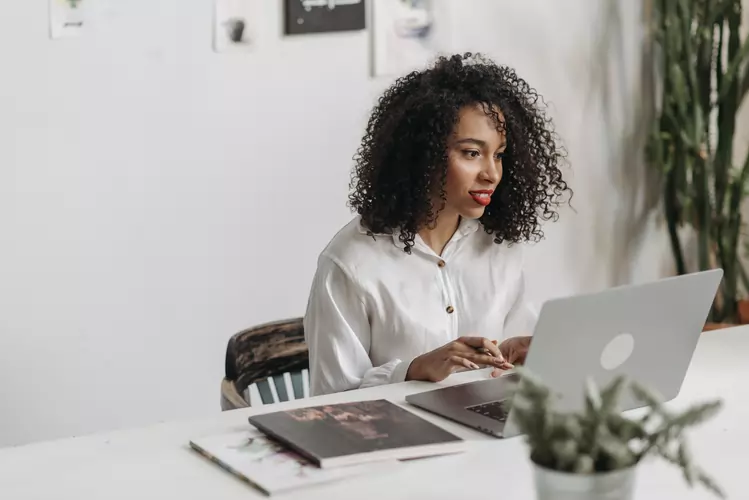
{"x":647,"y":332}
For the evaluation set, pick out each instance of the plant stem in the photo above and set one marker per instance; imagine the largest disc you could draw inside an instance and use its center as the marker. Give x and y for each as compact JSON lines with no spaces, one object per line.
{"x":703,"y":225}
{"x":744,"y":276}
{"x":672,"y":217}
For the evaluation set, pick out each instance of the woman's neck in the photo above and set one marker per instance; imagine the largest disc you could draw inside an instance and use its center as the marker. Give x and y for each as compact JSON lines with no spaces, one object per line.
{"x":438,"y":236}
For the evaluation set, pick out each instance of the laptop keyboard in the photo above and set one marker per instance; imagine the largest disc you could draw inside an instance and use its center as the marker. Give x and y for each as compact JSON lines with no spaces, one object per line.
{"x":496,"y":410}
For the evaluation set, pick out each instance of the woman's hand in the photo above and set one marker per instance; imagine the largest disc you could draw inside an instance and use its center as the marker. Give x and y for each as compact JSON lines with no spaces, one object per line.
{"x":466,"y":352}
{"x":514,"y":350}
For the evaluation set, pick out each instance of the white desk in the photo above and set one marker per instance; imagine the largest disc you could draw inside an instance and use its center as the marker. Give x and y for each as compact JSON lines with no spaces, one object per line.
{"x":156,"y":462}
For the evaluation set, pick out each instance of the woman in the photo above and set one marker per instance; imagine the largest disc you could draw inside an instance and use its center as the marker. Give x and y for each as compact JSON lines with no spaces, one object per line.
{"x":458,"y":162}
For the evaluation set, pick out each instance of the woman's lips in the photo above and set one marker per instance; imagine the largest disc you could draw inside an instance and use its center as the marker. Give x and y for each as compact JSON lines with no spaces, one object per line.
{"x":483,"y":198}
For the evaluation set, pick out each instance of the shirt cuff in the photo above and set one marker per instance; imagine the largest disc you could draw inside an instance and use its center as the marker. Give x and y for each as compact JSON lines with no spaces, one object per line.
{"x":400,"y":372}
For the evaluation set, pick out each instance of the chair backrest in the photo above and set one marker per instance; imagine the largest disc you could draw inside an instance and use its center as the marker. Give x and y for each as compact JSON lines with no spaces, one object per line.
{"x":266,"y":364}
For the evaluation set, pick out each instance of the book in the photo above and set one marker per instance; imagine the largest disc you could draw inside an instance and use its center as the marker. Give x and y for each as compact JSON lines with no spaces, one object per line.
{"x":268,"y":465}
{"x":359,"y":432}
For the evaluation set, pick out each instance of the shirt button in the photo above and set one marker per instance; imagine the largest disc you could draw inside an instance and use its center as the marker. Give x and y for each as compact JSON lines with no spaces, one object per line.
{"x":441,"y":263}
{"x":450,"y":309}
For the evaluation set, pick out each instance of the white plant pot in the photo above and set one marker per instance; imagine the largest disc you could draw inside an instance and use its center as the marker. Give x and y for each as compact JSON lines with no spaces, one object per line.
{"x":554,"y":485}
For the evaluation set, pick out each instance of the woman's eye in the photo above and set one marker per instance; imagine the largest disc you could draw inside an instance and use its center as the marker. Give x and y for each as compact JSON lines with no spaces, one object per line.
{"x":499,"y":156}
{"x":472,"y":153}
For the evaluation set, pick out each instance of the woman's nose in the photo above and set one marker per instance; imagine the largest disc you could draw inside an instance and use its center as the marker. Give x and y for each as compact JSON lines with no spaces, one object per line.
{"x":492,"y":171}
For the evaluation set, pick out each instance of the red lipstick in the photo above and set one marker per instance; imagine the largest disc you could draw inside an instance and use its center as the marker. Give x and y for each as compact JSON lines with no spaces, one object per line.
{"x":482,"y":197}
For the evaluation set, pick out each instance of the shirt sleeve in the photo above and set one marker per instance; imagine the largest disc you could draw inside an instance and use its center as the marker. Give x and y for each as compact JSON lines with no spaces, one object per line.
{"x":337,"y":332}
{"x":522,"y":317}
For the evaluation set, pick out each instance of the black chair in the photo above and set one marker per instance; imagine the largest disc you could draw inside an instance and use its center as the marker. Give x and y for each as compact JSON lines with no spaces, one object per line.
{"x":266,"y":364}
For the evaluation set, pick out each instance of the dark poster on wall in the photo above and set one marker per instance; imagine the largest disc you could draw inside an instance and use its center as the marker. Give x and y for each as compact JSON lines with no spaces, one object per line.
{"x":321,"y":16}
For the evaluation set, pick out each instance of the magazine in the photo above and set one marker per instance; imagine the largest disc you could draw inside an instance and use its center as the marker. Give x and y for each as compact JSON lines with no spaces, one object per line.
{"x":354,"y":433}
{"x":269,"y":466}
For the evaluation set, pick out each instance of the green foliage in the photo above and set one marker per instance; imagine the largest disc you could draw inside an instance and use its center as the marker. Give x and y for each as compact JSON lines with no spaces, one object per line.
{"x":599,"y":438}
{"x":703,"y":77}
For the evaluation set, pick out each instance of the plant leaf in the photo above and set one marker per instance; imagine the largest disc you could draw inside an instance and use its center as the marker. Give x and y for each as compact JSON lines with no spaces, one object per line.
{"x":610,"y":395}
{"x":565,"y":453}
{"x":625,"y":428}
{"x":744,"y":84}
{"x":701,"y":476}
{"x":721,"y":11}
{"x":685,"y":460}
{"x":709,"y":483}
{"x":647,"y":396}
{"x":733,"y":68}
{"x":695,"y":414}
{"x":592,"y":397}
{"x":583,"y":465}
{"x":619,"y":453}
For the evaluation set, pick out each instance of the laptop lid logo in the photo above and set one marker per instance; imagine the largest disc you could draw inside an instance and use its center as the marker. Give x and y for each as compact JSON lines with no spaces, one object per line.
{"x":617,"y":351}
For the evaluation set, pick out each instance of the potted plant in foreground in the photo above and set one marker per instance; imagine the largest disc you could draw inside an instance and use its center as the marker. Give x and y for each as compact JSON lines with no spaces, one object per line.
{"x":593,"y":454}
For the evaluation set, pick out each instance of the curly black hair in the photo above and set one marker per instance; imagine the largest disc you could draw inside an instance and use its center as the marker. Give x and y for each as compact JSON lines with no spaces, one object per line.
{"x":402,"y":161}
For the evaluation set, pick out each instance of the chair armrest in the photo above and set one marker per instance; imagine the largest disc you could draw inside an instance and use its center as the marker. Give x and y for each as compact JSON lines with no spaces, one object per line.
{"x":230,"y":397}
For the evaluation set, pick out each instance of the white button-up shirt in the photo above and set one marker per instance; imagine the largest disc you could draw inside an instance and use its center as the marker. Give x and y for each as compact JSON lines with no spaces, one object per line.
{"x":373,"y":308}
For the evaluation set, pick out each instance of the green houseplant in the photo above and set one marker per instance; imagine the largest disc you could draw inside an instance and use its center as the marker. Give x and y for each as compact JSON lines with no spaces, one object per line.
{"x":593,"y":454}
{"x":701,"y":77}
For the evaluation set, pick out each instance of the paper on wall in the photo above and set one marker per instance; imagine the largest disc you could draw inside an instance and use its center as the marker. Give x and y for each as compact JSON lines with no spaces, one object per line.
{"x":67,"y":18}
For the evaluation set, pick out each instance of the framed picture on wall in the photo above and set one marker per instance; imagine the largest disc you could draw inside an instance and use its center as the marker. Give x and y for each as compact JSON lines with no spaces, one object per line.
{"x":233,"y":25}
{"x":321,"y":16}
{"x":403,"y":35}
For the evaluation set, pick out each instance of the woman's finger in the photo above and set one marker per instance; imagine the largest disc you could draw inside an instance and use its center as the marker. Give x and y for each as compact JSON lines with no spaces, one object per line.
{"x":461,"y":361}
{"x":510,"y":355}
{"x":491,"y":348}
{"x":477,"y":352}
{"x":519,"y":357}
{"x":481,"y":344}
{"x":475,"y":342}
{"x":486,"y":360}
{"x":515,"y":352}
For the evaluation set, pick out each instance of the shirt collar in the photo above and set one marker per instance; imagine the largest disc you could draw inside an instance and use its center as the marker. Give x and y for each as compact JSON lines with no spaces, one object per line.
{"x":468,"y":226}
{"x":465,"y":228}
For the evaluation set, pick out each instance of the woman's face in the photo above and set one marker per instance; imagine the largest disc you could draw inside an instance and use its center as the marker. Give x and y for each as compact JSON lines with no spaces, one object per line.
{"x":474,"y":163}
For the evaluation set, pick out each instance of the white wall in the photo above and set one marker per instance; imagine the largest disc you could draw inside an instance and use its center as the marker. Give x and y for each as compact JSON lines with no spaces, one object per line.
{"x":156,"y":197}
{"x":584,"y":57}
